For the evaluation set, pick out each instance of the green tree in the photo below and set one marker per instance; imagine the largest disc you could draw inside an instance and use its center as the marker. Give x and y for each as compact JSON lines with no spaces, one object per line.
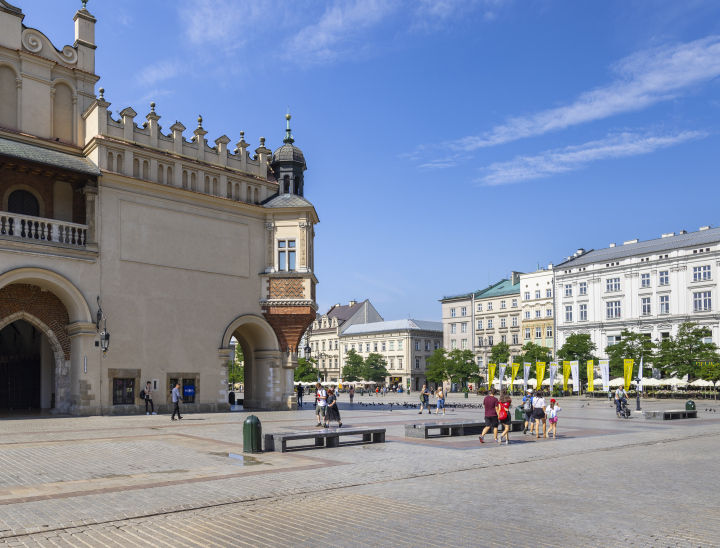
{"x":462,"y":368}
{"x":354,"y":367}
{"x":306,"y":371}
{"x":436,"y":367}
{"x":500,"y":353}
{"x":236,"y":366}
{"x":375,"y":368}
{"x":578,"y":347}
{"x":534,"y":353}
{"x":682,"y":354}
{"x":710,"y":371}
{"x":632,"y":346}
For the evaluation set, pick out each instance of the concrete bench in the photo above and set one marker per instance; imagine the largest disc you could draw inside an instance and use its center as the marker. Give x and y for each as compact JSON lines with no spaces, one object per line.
{"x":323,"y":437}
{"x":670,"y":415}
{"x":450,"y":428}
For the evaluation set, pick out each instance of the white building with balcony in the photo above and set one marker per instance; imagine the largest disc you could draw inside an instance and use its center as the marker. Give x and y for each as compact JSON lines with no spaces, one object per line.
{"x":648,"y":287}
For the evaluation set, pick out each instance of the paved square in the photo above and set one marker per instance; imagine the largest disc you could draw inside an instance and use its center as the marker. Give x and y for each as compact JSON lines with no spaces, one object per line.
{"x":128,"y":481}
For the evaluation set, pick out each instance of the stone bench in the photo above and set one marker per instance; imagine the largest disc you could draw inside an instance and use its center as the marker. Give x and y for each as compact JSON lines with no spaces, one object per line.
{"x":323,"y":437}
{"x":670,"y":415}
{"x":451,"y":428}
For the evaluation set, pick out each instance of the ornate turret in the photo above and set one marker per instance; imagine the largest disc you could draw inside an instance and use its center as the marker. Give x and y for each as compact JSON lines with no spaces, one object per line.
{"x":288,"y":164}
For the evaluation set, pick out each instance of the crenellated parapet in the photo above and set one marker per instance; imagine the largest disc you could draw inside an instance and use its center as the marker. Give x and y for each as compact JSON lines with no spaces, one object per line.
{"x":146,"y":151}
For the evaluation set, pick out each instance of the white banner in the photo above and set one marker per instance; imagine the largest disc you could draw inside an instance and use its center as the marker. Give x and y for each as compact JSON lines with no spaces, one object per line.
{"x":526,"y":374}
{"x":501,"y":376}
{"x":640,"y":375}
{"x":553,"y":374}
{"x":605,"y":374}
{"x":574,"y":370}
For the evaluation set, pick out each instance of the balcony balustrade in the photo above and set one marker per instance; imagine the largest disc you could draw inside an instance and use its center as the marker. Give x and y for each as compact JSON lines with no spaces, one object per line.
{"x":26,"y":228}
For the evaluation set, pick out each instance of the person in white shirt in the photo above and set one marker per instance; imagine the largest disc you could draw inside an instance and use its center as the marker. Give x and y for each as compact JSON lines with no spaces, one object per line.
{"x":148,"y":399}
{"x":551,"y":412}
{"x":320,"y":404}
{"x":176,"y":398}
{"x":538,"y":403}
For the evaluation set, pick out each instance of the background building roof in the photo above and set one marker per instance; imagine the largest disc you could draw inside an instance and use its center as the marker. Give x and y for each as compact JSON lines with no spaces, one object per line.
{"x":394,"y":325}
{"x":48,"y":157}
{"x":286,"y":200}
{"x":501,"y":288}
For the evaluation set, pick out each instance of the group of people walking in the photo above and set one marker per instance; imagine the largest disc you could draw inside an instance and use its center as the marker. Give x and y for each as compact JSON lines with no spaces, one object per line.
{"x":497,"y":413}
{"x":326,"y":407}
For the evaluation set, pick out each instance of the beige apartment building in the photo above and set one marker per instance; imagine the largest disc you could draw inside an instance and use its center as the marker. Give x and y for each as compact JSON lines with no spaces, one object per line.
{"x":537,"y":303}
{"x":118,"y":225}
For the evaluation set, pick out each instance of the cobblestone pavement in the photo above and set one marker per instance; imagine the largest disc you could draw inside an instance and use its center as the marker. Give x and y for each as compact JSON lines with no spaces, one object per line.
{"x":117,"y":481}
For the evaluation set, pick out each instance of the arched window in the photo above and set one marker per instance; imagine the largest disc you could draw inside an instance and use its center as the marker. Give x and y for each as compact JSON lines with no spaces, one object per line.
{"x":110,"y":161}
{"x":257,"y":201}
{"x":169,"y":176}
{"x":185,"y":179}
{"x":299,"y":185}
{"x":160,"y":174}
{"x":23,"y":202}
{"x":249,"y":195}
{"x":119,"y":162}
{"x":63,"y":112}
{"x":286,"y":185}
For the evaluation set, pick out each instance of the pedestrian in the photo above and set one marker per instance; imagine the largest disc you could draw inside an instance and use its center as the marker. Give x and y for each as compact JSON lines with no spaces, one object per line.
{"x":490,"y":403}
{"x":503,"y":412}
{"x":377,"y":392}
{"x":300,"y":394}
{"x":333,"y":412}
{"x":320,"y":404}
{"x":148,"y":399}
{"x":538,"y":403}
{"x":440,"y":400}
{"x":620,"y":395}
{"x":552,"y":411}
{"x":424,"y":399}
{"x":352,"y":393}
{"x":528,"y":408}
{"x":176,"y":398}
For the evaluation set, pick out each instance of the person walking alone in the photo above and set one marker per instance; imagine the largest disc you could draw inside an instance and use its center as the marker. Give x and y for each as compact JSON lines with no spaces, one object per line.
{"x":440,"y":400}
{"x":503,"y":413}
{"x":148,"y":399}
{"x":551,"y":412}
{"x":528,"y":408}
{"x":352,"y":393}
{"x":300,"y":394}
{"x":320,"y":404}
{"x":538,"y":403}
{"x":333,"y":412}
{"x":176,"y":398}
{"x":490,"y":403}
{"x":424,"y":399}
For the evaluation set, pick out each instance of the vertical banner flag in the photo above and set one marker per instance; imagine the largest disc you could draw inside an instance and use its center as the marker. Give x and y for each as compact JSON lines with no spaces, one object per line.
{"x":628,"y":373}
{"x":605,"y":374}
{"x":501,"y":376}
{"x":491,"y":374}
{"x":553,"y":373}
{"x":591,"y":376}
{"x":575,"y":370}
{"x":526,"y":377}
{"x":513,"y":373}
{"x":640,"y":375}
{"x":566,"y":375}
{"x":540,"y":370}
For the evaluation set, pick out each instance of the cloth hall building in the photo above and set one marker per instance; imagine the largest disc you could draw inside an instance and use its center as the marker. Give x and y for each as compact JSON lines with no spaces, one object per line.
{"x":120,"y":225}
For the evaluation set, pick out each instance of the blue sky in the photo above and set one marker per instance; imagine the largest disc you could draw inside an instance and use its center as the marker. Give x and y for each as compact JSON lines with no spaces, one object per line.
{"x":447,"y":142}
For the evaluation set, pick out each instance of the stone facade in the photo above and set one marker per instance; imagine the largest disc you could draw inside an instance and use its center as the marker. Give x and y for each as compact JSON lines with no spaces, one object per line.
{"x":538,"y":318}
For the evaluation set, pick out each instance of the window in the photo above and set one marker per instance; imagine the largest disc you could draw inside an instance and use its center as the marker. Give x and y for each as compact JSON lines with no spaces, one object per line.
{"x":502,"y":322}
{"x":374,"y":347}
{"x":392,"y":363}
{"x":644,"y":280}
{"x":427,"y":344}
{"x":490,"y":324}
{"x":527,"y":295}
{"x":664,"y":277}
{"x":502,"y":304}
{"x":548,"y":293}
{"x":702,"y":301}
{"x":188,"y":390}
{"x":23,"y":202}
{"x":568,"y":313}
{"x":453,"y":329}
{"x":453,"y":346}
{"x":479,"y":324}
{"x":463,"y":344}
{"x":527,"y":333}
{"x":527,"y":314}
{"x":489,"y":306}
{"x":612,"y":284}
{"x":417,"y":345}
{"x":399,"y":345}
{"x":382,"y":346}
{"x":392,"y":345}
{"x":548,"y":313}
{"x":583,"y":288}
{"x":123,"y":390}
{"x":514,"y":321}
{"x":336,"y":345}
{"x":548,"y":331}
{"x":417,"y":360}
{"x":568,"y":290}
{"x":701,"y":273}
{"x":583,"y":312}
{"x":503,"y":338}
{"x":352,"y":346}
{"x":479,"y":307}
{"x":463,"y":311}
{"x":490,"y":340}
{"x":346,"y":349}
{"x":538,"y":332}
{"x":613,"y":339}
{"x":286,"y":254}
{"x":367,"y":347}
{"x":537,"y":294}
{"x":480,"y":361}
{"x":515,"y":339}
{"x":538,"y":313}
{"x":437,"y":345}
{"x":613,"y":309}
{"x":399,"y":363}
{"x":323,"y":345}
{"x":452,"y":312}
{"x":514,"y":303}
{"x":665,"y":304}
{"x":463,"y":328}
{"x":645,"y":306}
{"x":480,"y":341}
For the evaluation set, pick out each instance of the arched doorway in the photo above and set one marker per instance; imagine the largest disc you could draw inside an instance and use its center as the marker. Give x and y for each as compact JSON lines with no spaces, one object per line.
{"x":267,"y":383}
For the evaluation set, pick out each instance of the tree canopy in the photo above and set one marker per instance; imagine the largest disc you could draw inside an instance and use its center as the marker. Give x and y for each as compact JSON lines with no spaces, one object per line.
{"x":578,"y":347}
{"x":632,"y":346}
{"x":461,"y":367}
{"x":500,"y":353}
{"x":353,"y":369}
{"x":533,"y":353}
{"x":306,"y":371}
{"x":436,"y":370}
{"x":684,"y":353}
{"x":236,"y":366}
{"x":373,"y":368}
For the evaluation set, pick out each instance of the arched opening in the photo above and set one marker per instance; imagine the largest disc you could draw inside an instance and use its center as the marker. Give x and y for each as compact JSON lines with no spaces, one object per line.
{"x":257,"y":199}
{"x":248,"y":193}
{"x":23,"y":202}
{"x":63,"y":112}
{"x":286,"y":184}
{"x":110,"y":161}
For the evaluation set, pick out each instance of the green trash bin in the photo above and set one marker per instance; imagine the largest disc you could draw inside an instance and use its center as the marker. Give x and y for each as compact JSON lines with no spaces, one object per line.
{"x":519,"y":413}
{"x":252,"y":435}
{"x":690,"y":406}
{"x":466,"y":394}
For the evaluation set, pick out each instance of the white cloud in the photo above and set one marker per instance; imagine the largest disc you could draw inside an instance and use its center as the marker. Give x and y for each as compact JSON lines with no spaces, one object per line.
{"x":644,"y":79}
{"x":546,"y":164}
{"x":433,"y":13}
{"x":223,"y":21}
{"x":164,"y":70}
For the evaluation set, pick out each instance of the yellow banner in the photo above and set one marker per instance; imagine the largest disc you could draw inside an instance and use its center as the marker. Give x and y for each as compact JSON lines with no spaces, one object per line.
{"x":591,"y":376}
{"x":491,"y":374}
{"x":513,"y":371}
{"x":540,"y":370}
{"x":566,"y":374}
{"x":628,"y":373}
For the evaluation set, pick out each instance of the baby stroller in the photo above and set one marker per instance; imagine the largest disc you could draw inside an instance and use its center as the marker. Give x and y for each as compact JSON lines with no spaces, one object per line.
{"x":624,"y":409}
